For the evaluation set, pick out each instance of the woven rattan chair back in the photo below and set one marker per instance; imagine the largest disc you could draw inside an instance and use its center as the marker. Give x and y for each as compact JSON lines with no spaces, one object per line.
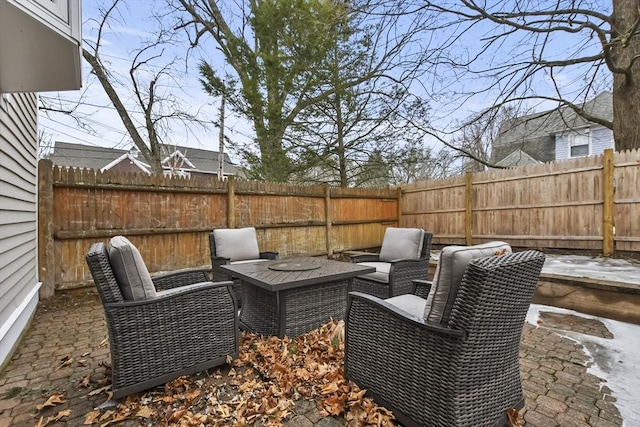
{"x":426,"y":245}
{"x":100,"y":268}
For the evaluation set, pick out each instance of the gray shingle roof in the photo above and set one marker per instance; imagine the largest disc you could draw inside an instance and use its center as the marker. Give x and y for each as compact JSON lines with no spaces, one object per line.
{"x":84,"y":156}
{"x":92,"y":157}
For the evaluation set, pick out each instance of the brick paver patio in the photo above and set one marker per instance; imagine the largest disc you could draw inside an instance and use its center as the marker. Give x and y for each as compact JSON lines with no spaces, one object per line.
{"x":65,"y":351}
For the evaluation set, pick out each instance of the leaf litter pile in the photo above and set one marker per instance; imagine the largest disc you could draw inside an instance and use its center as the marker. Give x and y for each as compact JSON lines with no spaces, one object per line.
{"x":260,"y":388}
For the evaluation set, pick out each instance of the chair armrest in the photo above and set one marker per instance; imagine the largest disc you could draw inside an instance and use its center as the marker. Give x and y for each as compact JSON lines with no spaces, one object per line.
{"x":217,"y":261}
{"x":403,"y":271}
{"x":422,"y":288}
{"x":269,"y":255}
{"x":174,"y":294}
{"x":364,"y":258}
{"x":180,"y":278}
{"x":399,"y":261}
{"x":382,"y":307}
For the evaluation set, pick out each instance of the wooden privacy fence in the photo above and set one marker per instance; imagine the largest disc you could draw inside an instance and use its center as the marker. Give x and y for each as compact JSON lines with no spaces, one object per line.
{"x":589,"y":203}
{"x":169,"y":219}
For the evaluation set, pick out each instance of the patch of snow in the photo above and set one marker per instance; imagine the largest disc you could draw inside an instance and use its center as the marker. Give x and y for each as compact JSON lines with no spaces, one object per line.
{"x":617,"y":360}
{"x":610,"y":269}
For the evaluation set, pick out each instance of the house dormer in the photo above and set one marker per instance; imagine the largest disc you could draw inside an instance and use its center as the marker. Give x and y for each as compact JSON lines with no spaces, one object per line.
{"x":40,"y":45}
{"x":177,"y":160}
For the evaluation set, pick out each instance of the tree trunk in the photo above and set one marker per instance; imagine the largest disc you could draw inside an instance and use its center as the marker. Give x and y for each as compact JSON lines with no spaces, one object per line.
{"x":626,"y":87}
{"x":342,"y":155}
{"x":103,"y":78}
{"x":275,"y":165}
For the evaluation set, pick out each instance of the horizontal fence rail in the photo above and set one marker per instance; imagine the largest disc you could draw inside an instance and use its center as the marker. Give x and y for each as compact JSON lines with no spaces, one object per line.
{"x":590,"y":203}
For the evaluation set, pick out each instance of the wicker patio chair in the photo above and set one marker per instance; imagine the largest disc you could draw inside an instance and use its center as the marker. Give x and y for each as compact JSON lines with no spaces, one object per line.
{"x":463,"y":371}
{"x":404,"y":257}
{"x":185,"y":325}
{"x":233,"y":246}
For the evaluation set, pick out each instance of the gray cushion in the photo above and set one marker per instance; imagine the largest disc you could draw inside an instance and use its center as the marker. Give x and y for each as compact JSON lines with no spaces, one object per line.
{"x":237,"y":244}
{"x":401,"y":243}
{"x":381,"y":274}
{"x":446,"y":281}
{"x":130,"y":270}
{"x":412,"y":304}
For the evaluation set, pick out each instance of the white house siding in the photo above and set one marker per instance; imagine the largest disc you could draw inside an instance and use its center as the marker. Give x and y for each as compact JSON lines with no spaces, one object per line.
{"x":562,"y":146}
{"x":601,"y":139}
{"x":18,"y":213}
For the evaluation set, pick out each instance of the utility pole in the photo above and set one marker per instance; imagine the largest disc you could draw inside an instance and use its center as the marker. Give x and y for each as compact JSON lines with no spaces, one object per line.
{"x":221,"y":142}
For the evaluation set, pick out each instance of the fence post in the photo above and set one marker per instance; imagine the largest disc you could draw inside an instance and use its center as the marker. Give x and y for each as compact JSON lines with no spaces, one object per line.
{"x":400,"y":207}
{"x":608,"y":189}
{"x":468,"y":214}
{"x":46,"y":250}
{"x":231,"y":202}
{"x":327,"y":213}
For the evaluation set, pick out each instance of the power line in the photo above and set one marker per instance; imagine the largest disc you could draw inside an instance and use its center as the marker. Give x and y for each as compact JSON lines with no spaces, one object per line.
{"x":109,"y":128}
{"x":66,"y":134}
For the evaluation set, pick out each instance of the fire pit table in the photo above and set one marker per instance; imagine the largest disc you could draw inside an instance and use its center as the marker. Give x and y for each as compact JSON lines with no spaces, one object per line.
{"x":293,"y":296}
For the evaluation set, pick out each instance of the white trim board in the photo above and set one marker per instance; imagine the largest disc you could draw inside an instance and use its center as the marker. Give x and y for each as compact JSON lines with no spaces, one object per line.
{"x":16,"y":325}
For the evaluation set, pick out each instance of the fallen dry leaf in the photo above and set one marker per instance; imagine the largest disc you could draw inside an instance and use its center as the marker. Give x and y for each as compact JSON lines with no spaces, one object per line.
{"x":329,"y":388}
{"x":108,"y":413}
{"x":65,"y":361}
{"x":59,"y":415}
{"x":53,"y":418}
{"x":165,"y":399}
{"x":192,"y":395}
{"x":224,"y":411}
{"x":338,"y":332}
{"x":145,"y":412}
{"x":334,"y":405}
{"x":515,"y":418}
{"x":116,"y":419}
{"x":53,"y":400}
{"x":86,"y":381}
{"x":92,"y":417}
{"x":177,"y":415}
{"x":99,"y":390}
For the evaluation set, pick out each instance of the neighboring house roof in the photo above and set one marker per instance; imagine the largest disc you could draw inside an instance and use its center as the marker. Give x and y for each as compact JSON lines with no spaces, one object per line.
{"x":534,"y":134}
{"x":103,"y":158}
{"x":517,"y":158}
{"x":84,"y":156}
